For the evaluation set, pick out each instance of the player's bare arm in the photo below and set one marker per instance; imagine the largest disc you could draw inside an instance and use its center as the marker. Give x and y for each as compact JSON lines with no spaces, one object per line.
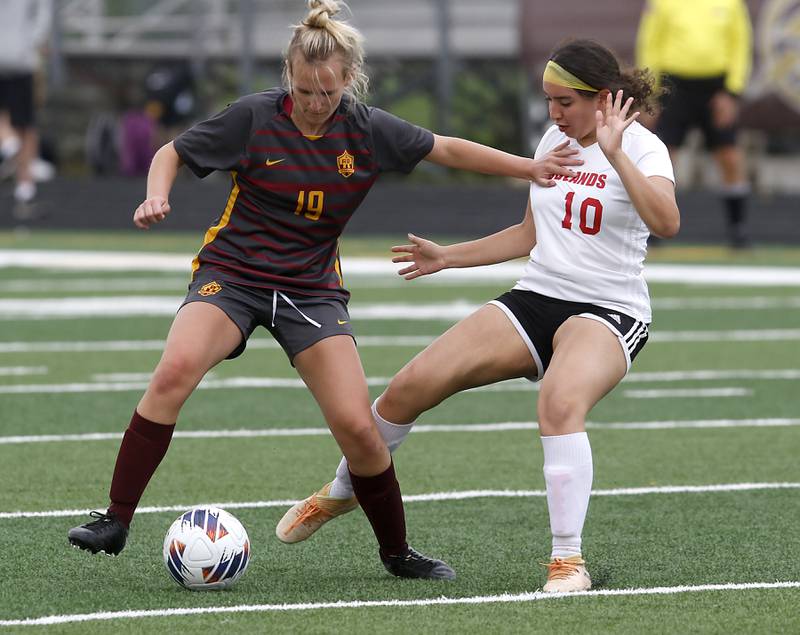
{"x":427,"y":257}
{"x":653,"y":197}
{"x":453,"y":152}
{"x":160,"y":178}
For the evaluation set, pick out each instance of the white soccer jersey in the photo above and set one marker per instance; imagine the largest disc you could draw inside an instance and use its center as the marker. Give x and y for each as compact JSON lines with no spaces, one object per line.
{"x":590,"y":241}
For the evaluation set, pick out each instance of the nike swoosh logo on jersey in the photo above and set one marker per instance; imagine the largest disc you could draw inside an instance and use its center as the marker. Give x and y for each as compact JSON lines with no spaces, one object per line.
{"x":274,"y":162}
{"x":342,"y":321}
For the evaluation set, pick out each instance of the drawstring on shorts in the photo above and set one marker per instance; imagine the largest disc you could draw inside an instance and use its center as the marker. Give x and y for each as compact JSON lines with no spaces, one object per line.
{"x":275,"y":294}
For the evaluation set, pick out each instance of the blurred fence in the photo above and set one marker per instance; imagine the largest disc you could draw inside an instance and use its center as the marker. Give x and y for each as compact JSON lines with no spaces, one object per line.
{"x":392,"y":208}
{"x":464,"y":67}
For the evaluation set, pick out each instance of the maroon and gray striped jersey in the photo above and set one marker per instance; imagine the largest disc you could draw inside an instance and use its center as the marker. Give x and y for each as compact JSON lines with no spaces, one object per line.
{"x":291,"y":195}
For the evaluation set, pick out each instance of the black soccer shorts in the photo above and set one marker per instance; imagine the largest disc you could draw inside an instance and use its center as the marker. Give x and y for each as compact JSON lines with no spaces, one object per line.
{"x":537,"y":318}
{"x":16,"y":96}
{"x":687,"y":105}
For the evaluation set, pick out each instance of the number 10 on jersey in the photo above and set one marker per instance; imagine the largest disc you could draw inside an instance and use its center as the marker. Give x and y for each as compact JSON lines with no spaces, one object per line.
{"x":586,"y":228}
{"x":311,"y":204}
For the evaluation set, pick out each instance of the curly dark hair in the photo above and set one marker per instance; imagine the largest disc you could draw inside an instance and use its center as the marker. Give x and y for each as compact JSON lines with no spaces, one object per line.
{"x":596,"y":65}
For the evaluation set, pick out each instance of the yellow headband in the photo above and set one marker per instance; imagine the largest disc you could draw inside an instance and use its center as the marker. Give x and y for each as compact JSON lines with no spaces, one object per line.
{"x":555,"y":74}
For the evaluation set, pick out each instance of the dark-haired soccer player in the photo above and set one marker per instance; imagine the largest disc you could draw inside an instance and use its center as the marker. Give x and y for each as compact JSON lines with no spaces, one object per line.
{"x":578,"y":316}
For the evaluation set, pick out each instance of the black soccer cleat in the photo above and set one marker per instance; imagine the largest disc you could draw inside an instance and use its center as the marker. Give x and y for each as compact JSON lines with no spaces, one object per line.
{"x":413,"y":564}
{"x":106,"y":534}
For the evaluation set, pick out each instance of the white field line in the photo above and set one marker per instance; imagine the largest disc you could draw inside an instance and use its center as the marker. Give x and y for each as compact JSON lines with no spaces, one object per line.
{"x":721,"y":304}
{"x":20,"y":371}
{"x":76,"y":260}
{"x":162,"y":306}
{"x":122,"y":377}
{"x":150,"y":284}
{"x":709,"y":375}
{"x":508,"y":426}
{"x":385,"y":280}
{"x":155,"y":305}
{"x":113,"y":377}
{"x":688,"y":393}
{"x":88,"y":306}
{"x":437,"y":497}
{"x":81,"y":284}
{"x":739,"y":335}
{"x":122,"y":382}
{"x":369,"y":341}
{"x":158,"y":345}
{"x":207,"y":384}
{"x":522,"y":385}
{"x":510,"y":271}
{"x":105,"y":346}
{"x":506,"y":598}
{"x":389,"y":340}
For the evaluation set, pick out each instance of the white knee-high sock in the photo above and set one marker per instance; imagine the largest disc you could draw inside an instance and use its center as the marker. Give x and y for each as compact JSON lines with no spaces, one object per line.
{"x":392,"y":433}
{"x":568,"y":475}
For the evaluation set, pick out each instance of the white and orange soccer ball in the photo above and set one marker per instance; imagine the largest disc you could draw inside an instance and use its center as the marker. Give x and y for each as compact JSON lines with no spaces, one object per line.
{"x":206,"y":548}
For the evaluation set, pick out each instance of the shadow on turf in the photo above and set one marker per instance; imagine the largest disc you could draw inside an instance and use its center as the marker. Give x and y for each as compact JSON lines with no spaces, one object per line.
{"x":601,"y":577}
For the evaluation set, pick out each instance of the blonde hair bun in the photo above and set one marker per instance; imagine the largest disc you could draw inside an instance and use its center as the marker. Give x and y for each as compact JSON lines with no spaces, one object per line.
{"x":319,"y":36}
{"x":320,"y":13}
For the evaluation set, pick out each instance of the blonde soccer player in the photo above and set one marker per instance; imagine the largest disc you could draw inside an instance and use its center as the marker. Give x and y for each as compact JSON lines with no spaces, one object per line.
{"x":302,"y":157}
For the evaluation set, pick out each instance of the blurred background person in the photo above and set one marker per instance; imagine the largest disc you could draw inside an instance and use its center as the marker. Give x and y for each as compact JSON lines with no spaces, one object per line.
{"x":9,"y":141}
{"x":24,"y":29}
{"x":701,"y":51}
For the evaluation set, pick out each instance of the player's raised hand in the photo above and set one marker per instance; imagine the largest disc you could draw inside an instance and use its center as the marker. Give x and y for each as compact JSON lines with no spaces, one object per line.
{"x":557,"y":161}
{"x":611,"y":123}
{"x":152,"y":210}
{"x":425,"y":256}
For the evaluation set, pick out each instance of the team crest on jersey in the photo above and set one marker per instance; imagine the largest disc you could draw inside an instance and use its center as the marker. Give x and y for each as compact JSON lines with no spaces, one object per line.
{"x":210,"y":289}
{"x":346,"y":163}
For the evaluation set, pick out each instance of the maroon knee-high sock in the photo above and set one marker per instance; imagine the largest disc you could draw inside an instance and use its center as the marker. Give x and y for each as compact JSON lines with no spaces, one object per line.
{"x":381,"y":501}
{"x":144,"y":445}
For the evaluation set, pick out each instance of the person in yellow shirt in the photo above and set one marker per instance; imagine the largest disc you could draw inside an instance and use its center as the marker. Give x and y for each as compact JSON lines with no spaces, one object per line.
{"x":701,"y":51}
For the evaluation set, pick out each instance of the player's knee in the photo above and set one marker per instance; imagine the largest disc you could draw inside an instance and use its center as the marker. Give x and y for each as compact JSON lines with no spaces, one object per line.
{"x":175,"y":374}
{"x":410,"y":378}
{"x":361,"y":439}
{"x":558,"y":413}
{"x":415,"y":378}
{"x":405,"y":393}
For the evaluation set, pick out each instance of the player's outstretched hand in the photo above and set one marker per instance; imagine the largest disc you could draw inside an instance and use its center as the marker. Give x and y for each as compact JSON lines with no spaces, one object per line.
{"x":557,"y":161}
{"x":425,"y":256}
{"x":611,"y":123}
{"x":152,"y":210}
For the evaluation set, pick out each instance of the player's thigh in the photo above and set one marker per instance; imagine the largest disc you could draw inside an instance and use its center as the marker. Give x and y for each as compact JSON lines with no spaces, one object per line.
{"x":332,"y":370}
{"x":481,"y":349}
{"x":201,"y":336}
{"x":588,"y":362}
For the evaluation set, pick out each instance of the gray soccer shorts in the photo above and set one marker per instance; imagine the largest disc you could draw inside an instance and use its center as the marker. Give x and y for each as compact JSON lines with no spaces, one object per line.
{"x":295,"y":321}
